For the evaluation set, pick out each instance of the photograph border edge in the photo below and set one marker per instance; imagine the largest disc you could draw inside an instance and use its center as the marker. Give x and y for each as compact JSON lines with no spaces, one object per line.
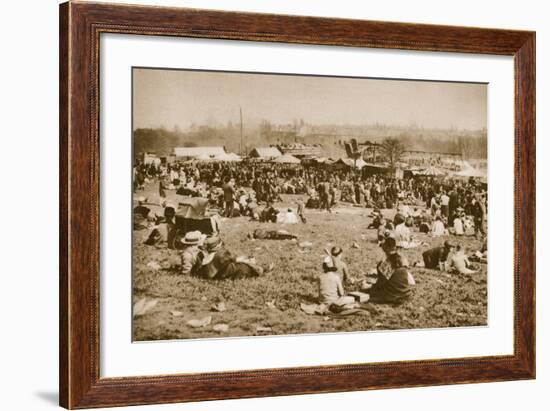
{"x":80,"y":27}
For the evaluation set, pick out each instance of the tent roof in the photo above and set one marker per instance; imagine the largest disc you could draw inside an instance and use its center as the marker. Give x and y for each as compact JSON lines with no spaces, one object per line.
{"x":198,"y":151}
{"x":203,"y":156}
{"x":270,"y":152}
{"x":324,"y":160}
{"x":471,"y":172}
{"x":287,"y":159}
{"x":227,"y":157}
{"x":431,"y":171}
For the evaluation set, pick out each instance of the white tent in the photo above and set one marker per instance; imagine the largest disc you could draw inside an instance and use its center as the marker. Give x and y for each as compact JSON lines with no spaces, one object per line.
{"x":203,"y":157}
{"x":227,"y":157}
{"x":196,"y":152}
{"x":431,"y":171}
{"x":265,"y":153}
{"x":287,"y":159}
{"x":471,"y":172}
{"x":234,"y":157}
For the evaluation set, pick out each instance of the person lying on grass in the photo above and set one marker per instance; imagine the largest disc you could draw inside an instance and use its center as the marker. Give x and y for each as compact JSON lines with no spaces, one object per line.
{"x":215,"y":262}
{"x":460,"y":262}
{"x":260,"y":234}
{"x":480,"y":256}
{"x":436,"y":258}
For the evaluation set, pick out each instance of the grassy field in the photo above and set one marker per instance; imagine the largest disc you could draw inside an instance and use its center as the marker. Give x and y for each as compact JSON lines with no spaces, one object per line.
{"x":271,"y":304}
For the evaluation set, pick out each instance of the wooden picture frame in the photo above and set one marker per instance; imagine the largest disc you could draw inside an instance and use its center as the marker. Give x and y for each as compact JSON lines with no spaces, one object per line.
{"x":80,"y":27}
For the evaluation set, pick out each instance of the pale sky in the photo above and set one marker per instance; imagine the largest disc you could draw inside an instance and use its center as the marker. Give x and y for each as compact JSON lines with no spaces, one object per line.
{"x":179,"y":98}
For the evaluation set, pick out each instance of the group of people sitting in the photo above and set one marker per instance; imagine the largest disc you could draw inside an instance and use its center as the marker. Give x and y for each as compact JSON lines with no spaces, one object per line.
{"x":428,"y":221}
{"x":394,"y":282}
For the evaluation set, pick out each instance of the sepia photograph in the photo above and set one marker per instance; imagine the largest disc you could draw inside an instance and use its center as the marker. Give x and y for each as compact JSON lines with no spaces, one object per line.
{"x":283,"y":204}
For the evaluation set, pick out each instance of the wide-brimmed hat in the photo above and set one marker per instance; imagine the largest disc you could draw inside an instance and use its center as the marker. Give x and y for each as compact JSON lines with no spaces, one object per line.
{"x":192,"y":238}
{"x":336,"y":251}
{"x":213,"y":243}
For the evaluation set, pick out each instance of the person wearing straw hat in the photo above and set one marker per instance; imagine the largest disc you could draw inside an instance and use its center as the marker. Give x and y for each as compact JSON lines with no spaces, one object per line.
{"x":217,"y":263}
{"x":190,"y":251}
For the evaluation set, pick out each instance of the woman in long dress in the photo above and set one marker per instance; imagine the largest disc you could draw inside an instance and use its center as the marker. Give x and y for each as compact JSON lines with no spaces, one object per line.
{"x":394,"y":282}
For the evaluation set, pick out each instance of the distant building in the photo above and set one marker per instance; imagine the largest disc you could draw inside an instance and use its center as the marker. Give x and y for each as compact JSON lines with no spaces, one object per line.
{"x":149,"y":158}
{"x":425,"y":158}
{"x":194,"y":152}
{"x":265,"y":153}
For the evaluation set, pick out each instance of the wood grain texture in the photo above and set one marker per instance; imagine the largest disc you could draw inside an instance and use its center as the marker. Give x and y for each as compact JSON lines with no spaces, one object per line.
{"x":63,"y":204}
{"x":80,"y":27}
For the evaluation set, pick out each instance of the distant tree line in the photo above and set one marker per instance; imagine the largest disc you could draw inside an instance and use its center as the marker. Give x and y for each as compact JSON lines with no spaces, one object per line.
{"x":162,"y":141}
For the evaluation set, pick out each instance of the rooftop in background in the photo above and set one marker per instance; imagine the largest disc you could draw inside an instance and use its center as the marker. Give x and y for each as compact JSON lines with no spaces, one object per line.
{"x":420,"y":152}
{"x":199,"y":151}
{"x":300,"y":150}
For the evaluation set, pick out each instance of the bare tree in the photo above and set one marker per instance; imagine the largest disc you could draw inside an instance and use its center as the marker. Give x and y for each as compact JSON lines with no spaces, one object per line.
{"x":393,"y":149}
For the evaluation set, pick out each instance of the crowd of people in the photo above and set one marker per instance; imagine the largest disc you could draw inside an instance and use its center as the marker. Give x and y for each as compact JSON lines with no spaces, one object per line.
{"x":434,"y":206}
{"x":265,"y":182}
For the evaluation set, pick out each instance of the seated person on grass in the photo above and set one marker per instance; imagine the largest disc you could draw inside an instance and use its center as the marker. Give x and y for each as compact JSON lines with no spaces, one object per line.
{"x":141,"y":214}
{"x":341,"y":267}
{"x":164,"y":233}
{"x":438,"y":228}
{"x":269,"y":214}
{"x":331,"y":289}
{"x":403,"y":235}
{"x":393,"y":285}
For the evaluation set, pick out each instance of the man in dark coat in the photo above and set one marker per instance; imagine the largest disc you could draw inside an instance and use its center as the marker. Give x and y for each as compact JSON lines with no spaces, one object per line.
{"x":435,"y":258}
